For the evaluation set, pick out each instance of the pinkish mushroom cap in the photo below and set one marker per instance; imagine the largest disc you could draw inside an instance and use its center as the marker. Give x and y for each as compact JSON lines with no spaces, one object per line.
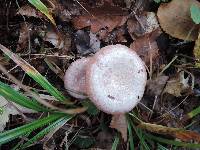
{"x":74,"y":79}
{"x":115,"y":79}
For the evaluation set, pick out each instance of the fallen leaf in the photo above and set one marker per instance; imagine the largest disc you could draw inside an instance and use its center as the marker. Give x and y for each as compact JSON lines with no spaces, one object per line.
{"x":29,"y":11}
{"x":119,"y":123}
{"x":178,"y":85}
{"x":56,"y":39}
{"x":24,"y":36}
{"x":174,"y":18}
{"x":5,"y":112}
{"x":65,"y":10}
{"x":104,"y":140}
{"x":104,"y":17}
{"x":146,"y":47}
{"x":182,"y":134}
{"x":144,"y":24}
{"x":155,"y":87}
{"x":116,"y":36}
{"x":7,"y":109}
{"x":99,"y":22}
{"x":82,"y":42}
{"x":86,"y":42}
{"x":4,"y":60}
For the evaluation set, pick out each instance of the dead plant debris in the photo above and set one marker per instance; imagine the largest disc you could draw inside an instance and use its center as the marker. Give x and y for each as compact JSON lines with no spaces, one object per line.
{"x":82,"y":28}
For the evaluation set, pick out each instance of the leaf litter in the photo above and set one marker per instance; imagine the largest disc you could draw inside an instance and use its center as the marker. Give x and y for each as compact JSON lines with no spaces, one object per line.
{"x":83,"y":27}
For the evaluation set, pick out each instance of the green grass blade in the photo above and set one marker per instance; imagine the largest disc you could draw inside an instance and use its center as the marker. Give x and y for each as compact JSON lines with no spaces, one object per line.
{"x":160,"y":147}
{"x":43,"y":9}
{"x":130,"y":135}
{"x":140,"y":136}
{"x":115,"y":143}
{"x":15,"y":96}
{"x":20,"y":131}
{"x":194,"y":112}
{"x":33,"y":73}
{"x":45,"y":131}
{"x":171,"y":142}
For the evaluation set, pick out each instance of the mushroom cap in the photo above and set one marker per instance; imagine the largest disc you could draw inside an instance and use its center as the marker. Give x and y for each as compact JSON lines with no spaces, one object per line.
{"x":116,"y":79}
{"x":74,"y":79}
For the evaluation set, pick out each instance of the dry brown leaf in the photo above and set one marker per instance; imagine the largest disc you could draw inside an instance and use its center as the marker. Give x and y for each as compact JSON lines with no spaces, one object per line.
{"x":65,"y":9}
{"x":146,"y":47}
{"x":3,"y":60}
{"x":119,"y":123}
{"x":30,"y":12}
{"x":99,"y":22}
{"x":24,"y":36}
{"x":144,"y":24}
{"x":104,"y":140}
{"x":177,"y":85}
{"x":184,"y":135}
{"x":155,"y":87}
{"x":55,"y":39}
{"x":174,"y":18}
{"x":8,"y":108}
{"x":104,"y":17}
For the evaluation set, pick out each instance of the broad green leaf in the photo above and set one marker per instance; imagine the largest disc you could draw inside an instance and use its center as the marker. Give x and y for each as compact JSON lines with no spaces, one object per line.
{"x":20,"y":131}
{"x":43,"y":9}
{"x":45,"y":131}
{"x":15,"y":96}
{"x":195,"y":13}
{"x":33,"y":73}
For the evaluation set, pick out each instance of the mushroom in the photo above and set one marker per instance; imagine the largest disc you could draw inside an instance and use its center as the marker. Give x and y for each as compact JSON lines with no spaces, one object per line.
{"x":74,"y":79}
{"x":114,"y":79}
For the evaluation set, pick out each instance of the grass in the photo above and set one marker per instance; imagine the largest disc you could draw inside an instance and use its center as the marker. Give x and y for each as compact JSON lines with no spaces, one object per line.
{"x":43,"y":9}
{"x":55,"y":117}
{"x":58,"y":117}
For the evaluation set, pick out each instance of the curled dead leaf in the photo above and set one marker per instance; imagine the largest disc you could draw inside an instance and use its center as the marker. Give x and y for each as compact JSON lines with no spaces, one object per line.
{"x":182,"y":134}
{"x":141,"y":25}
{"x":174,"y":18}
{"x":178,"y":85}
